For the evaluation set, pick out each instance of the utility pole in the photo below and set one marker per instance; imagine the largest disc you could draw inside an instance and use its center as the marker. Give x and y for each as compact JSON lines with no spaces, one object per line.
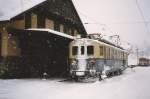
{"x":137,"y":53}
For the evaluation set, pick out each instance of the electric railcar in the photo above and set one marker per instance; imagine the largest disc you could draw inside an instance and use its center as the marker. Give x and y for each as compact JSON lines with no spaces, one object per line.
{"x":94,"y":58}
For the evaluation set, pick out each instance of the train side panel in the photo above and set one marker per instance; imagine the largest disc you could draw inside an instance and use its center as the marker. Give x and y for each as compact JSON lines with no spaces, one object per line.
{"x":98,"y":56}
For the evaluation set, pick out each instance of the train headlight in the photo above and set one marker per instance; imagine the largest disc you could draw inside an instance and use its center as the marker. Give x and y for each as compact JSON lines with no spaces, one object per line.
{"x":71,"y":72}
{"x":74,"y":64}
{"x":91,"y":64}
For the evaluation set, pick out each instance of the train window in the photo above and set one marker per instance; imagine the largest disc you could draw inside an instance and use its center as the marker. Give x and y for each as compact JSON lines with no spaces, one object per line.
{"x":115,"y":53}
{"x":112,"y":53}
{"x":82,"y":50}
{"x":101,"y":50}
{"x":109,"y":53}
{"x":104,"y":51}
{"x":74,"y":50}
{"x":90,"y":50}
{"x":121,"y":55}
{"x":124,"y":56}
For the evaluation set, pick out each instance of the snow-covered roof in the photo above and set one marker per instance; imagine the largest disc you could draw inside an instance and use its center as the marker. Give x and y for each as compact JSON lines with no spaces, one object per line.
{"x":53,"y":32}
{"x":12,"y":8}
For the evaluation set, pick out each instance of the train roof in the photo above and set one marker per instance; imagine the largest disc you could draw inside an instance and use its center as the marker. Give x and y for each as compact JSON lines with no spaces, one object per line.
{"x":105,"y":42}
{"x":108,"y":42}
{"x":99,"y":37}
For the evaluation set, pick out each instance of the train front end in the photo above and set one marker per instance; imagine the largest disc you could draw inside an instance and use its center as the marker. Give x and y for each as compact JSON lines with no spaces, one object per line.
{"x":79,"y":65}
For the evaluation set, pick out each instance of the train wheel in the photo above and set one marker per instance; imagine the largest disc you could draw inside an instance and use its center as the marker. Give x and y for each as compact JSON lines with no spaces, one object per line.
{"x":109,"y":75}
{"x":100,"y":77}
{"x":115,"y":73}
{"x":118,"y":72}
{"x":112,"y":74}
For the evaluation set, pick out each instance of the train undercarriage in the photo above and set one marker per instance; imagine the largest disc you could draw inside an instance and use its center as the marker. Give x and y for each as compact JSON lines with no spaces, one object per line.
{"x":94,"y":76}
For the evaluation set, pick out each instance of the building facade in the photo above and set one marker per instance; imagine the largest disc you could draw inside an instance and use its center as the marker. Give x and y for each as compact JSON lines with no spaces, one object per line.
{"x":19,"y":46}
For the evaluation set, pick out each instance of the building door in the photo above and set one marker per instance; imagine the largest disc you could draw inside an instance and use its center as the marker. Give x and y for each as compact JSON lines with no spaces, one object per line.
{"x":0,"y":44}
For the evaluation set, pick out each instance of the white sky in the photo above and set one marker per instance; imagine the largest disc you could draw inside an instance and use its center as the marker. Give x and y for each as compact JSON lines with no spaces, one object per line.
{"x":119,"y":17}
{"x":13,"y":7}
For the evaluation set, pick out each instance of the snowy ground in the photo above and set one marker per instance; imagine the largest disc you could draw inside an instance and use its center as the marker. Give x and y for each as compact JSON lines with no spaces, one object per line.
{"x":133,"y":84}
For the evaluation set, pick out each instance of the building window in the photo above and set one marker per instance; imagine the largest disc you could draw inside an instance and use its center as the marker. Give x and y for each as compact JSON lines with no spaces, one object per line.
{"x":27,"y":20}
{"x":70,"y":31}
{"x":33,"y":20}
{"x":101,"y":50}
{"x":90,"y":50}
{"x":75,"y":32}
{"x":14,"y":41}
{"x":82,"y":50}
{"x":65,"y":29}
{"x":56,"y":26}
{"x":41,"y":21}
{"x":49,"y":24}
{"x":62,"y":28}
{"x":74,"y":50}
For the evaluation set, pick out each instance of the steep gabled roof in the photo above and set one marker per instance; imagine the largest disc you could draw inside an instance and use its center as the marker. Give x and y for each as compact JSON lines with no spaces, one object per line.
{"x":10,"y":13}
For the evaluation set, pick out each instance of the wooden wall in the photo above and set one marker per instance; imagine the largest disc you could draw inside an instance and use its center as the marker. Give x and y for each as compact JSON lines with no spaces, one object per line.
{"x":56,"y":15}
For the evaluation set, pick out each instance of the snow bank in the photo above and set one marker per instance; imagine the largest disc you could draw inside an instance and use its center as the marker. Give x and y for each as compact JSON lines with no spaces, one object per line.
{"x":133,"y":84}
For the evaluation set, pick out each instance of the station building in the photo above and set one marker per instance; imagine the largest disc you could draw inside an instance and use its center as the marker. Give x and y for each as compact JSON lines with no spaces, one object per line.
{"x":35,"y":40}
